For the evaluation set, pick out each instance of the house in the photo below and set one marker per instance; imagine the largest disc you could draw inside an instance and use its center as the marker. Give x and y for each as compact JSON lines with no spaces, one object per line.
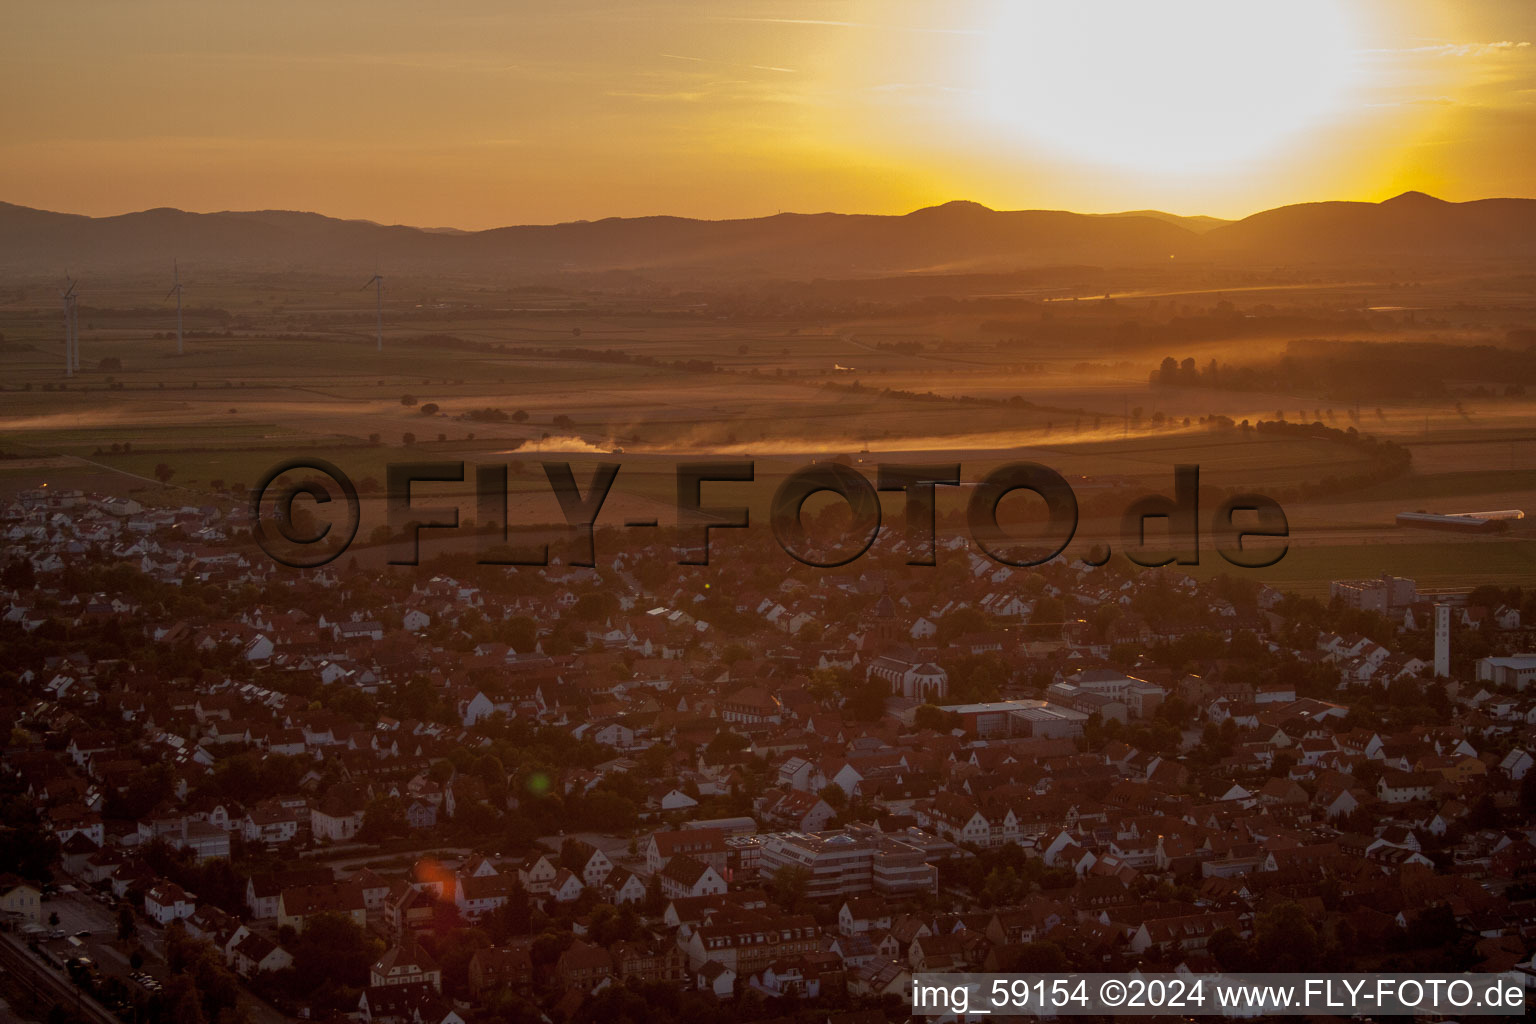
{"x":1183,"y":934}
{"x":803,"y":977}
{"x":588,"y":861}
{"x":206,"y":841}
{"x":1515,"y":764}
{"x":801,"y":810}
{"x":746,"y":941}
{"x":1400,"y":787}
{"x":263,"y":890}
{"x":705,"y":844}
{"x":537,"y":873}
{"x":375,"y":889}
{"x":76,"y":853}
{"x":339,"y":814}
{"x":567,"y":887}
{"x":500,"y":967}
{"x":752,"y":705}
{"x":624,"y":886}
{"x":420,"y":814}
{"x":715,"y":978}
{"x":270,"y":823}
{"x":801,"y":773}
{"x":478,"y":895}
{"x":251,"y":953}
{"x":298,"y":904}
{"x":406,"y":964}
{"x":410,"y":910}
{"x":210,"y":923}
{"x":20,"y":901}
{"x":671,"y":798}
{"x":583,"y":965}
{"x":687,"y":876}
{"x":881,"y":979}
{"x":405,"y":1004}
{"x":168,"y":902}
{"x":863,"y":914}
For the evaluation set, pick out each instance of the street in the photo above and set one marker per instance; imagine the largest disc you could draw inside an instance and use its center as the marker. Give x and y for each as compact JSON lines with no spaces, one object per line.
{"x":79,"y":911}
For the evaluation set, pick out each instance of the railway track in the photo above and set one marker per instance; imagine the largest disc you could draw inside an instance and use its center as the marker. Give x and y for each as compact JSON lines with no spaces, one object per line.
{"x":49,"y":987}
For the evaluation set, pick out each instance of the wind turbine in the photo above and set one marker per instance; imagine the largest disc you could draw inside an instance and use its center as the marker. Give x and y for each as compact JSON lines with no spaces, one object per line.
{"x":176,"y":290}
{"x":377,"y":282}
{"x":71,"y":340}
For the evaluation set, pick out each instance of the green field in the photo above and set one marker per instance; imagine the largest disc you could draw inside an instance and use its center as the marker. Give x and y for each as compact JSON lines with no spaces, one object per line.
{"x":1460,"y":564}
{"x":687,"y":378}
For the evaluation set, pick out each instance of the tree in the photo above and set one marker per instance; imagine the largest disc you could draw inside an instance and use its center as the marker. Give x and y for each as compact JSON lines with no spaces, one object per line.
{"x":335,"y":953}
{"x":546,"y":949}
{"x":594,"y":606}
{"x":930,"y":716}
{"x":1040,"y":958}
{"x":1284,"y":940}
{"x":1045,"y":619}
{"x":127,"y":927}
{"x":429,"y":409}
{"x":453,"y":954}
{"x":408,"y":438}
{"x":407,"y":399}
{"x":1229,"y":950}
{"x":789,"y":886}
{"x":383,"y":818}
{"x":202,"y":988}
{"x":164,"y":472}
{"x":865,"y":699}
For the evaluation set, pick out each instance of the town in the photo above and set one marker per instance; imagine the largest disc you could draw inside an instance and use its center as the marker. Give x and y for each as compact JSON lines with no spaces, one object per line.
{"x":750,"y":790}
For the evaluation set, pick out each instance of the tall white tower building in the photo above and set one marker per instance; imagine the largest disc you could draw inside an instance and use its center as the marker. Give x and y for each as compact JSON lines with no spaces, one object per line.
{"x":1442,"y":641}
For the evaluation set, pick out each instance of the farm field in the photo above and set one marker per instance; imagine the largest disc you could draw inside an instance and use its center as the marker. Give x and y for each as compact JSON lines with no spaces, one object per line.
{"x":473,"y":373}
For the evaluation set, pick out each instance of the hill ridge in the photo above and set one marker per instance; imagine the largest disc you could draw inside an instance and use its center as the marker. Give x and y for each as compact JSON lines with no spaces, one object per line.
{"x":956,"y":236}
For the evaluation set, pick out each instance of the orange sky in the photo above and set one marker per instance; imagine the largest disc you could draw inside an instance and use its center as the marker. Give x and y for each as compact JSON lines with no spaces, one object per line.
{"x":488,"y":112}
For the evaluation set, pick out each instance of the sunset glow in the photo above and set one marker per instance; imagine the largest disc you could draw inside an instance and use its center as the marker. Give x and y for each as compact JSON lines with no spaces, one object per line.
{"x":1175,"y":85}
{"x":481,"y":113}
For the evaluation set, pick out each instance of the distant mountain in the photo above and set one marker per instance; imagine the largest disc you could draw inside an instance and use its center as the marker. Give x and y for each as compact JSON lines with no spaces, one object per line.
{"x":1197,"y":224}
{"x":1413,"y":225}
{"x":955,"y":237}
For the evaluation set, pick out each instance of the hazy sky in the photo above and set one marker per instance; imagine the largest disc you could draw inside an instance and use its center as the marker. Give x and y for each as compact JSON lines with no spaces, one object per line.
{"x":486,"y":112}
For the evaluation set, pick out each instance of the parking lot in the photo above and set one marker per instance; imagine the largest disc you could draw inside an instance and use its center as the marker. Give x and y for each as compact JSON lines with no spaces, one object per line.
{"x":87,"y":928}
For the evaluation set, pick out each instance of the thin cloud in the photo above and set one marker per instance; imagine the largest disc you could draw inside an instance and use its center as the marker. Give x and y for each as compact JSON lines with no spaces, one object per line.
{"x":730,"y":64}
{"x":1420,"y":101}
{"x":1504,"y":46}
{"x":826,"y":23}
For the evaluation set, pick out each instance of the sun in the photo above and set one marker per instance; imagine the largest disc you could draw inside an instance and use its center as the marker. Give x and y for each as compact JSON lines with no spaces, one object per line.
{"x":1160,"y":85}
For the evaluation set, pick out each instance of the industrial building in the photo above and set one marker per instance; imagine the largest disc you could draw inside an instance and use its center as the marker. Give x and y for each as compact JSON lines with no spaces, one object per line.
{"x":1007,"y":719}
{"x":1516,"y":670}
{"x":856,"y":861}
{"x":1461,"y":522}
{"x":1375,"y":595}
